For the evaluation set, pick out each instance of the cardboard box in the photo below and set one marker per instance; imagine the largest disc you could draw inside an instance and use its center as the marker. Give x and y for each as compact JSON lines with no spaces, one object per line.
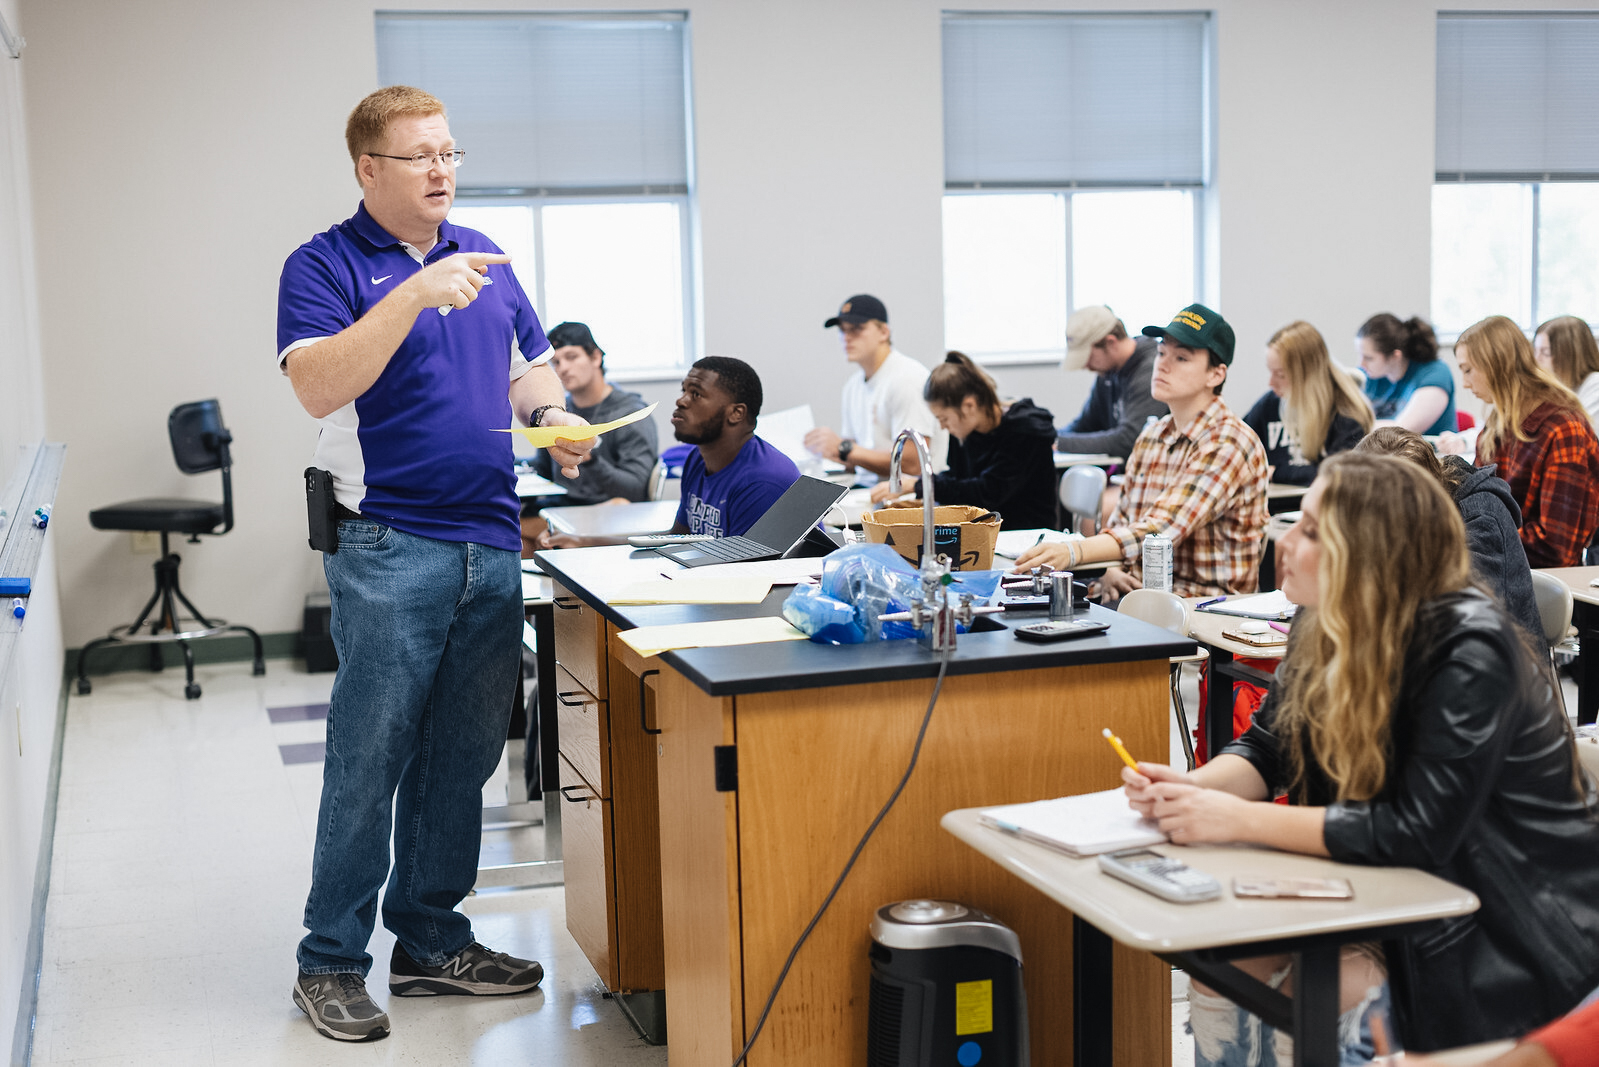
{"x":969,"y":544}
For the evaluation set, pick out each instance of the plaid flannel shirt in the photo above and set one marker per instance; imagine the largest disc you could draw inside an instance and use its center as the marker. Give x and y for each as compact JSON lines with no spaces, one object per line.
{"x":1555,"y":479}
{"x":1205,"y":489}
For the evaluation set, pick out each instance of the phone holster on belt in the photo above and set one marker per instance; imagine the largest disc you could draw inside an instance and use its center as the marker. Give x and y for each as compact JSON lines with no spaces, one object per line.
{"x":321,"y":510}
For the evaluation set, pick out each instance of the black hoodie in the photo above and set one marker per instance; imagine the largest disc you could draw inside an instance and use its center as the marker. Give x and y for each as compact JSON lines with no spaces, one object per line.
{"x":1492,"y":518}
{"x":1010,"y":469}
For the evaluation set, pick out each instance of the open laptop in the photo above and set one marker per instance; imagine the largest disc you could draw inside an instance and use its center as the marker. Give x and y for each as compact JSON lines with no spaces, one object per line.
{"x":775,"y":534}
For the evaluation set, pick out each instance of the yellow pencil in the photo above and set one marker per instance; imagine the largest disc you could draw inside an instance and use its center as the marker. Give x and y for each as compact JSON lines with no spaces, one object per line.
{"x":1116,"y":743}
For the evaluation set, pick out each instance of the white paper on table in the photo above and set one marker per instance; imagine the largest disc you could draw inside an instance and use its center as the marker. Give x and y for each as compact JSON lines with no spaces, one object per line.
{"x":1012,"y":543}
{"x":1083,"y":825}
{"x":653,"y":640}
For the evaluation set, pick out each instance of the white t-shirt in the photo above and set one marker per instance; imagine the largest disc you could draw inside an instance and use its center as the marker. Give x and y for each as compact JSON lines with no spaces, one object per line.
{"x":876,"y":409}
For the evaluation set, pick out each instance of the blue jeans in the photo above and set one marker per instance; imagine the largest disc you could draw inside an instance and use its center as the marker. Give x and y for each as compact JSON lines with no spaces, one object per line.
{"x":428,"y":635}
{"x":1226,"y":1035}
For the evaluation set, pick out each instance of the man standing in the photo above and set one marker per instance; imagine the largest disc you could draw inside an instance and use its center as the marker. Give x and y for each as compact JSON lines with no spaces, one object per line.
{"x":425,"y":579}
{"x":882,"y":397}
{"x":618,"y":470}
{"x":1197,"y":475}
{"x":1120,"y":404}
{"x":733,"y":476}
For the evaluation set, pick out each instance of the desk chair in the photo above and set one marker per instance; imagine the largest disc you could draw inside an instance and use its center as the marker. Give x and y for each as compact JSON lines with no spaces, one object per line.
{"x":199,"y":444}
{"x":1081,"y":489}
{"x":1168,"y":611}
{"x":1554,"y":611}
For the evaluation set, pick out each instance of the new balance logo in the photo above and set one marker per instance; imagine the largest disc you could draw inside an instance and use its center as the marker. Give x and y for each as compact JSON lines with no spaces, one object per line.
{"x":459,"y":967}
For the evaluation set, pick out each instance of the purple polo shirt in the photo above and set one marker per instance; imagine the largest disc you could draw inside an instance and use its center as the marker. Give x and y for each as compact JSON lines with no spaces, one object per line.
{"x":729,"y":502}
{"x":424,"y":449}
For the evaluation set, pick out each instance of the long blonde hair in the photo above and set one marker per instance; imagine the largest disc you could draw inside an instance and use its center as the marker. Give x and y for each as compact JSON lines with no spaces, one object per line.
{"x":1573,"y":354}
{"x":1317,"y":389}
{"x":1342,"y":673}
{"x":1501,"y":354}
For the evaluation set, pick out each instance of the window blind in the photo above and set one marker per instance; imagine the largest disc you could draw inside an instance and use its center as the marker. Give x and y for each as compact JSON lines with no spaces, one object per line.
{"x":552,"y":103}
{"x":1518,"y":97}
{"x":1052,"y":100}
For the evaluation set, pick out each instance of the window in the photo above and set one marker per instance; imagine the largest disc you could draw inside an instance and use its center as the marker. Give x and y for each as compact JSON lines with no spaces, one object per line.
{"x":1515,"y":213}
{"x":1074,"y":160}
{"x":577,"y":137}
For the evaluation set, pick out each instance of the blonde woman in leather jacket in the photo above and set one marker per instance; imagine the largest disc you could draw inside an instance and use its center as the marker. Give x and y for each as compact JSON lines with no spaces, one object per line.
{"x":1410,"y":725}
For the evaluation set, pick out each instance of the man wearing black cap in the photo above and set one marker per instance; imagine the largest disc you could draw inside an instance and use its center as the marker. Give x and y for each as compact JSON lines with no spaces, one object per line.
{"x":1198,"y":475}
{"x":883,"y":397}
{"x":619,"y":467}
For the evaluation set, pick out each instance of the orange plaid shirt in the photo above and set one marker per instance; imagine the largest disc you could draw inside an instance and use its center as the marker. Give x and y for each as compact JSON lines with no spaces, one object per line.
{"x":1205,"y":488}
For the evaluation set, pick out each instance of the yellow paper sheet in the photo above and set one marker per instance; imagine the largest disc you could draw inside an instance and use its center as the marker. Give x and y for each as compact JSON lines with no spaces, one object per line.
{"x":545,"y":436}
{"x":653,"y":640}
{"x":693,"y":590}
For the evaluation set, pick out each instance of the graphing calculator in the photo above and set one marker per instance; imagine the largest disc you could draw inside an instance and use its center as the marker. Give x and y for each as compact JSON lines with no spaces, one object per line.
{"x":1062,"y":630}
{"x":1163,"y":876}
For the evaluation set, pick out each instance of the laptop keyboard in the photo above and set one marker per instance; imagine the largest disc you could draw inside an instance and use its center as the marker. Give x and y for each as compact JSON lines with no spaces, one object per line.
{"x":733,"y":549}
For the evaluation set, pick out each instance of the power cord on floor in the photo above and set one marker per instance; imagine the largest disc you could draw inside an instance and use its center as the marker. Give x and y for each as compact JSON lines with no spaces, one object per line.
{"x":916,"y":753}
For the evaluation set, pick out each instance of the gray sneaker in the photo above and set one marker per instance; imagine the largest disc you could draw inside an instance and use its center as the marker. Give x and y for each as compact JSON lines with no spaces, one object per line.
{"x":474,"y":972}
{"x":339,"y":1007}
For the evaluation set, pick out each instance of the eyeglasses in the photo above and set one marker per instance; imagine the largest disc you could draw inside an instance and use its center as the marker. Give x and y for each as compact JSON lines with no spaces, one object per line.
{"x":450,"y":157}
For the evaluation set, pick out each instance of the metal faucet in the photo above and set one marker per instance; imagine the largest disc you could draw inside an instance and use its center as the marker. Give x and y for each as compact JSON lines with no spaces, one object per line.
{"x":932,"y":615}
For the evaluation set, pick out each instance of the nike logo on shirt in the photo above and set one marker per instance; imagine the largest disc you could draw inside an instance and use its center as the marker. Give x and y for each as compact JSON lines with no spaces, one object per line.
{"x":380,"y":281}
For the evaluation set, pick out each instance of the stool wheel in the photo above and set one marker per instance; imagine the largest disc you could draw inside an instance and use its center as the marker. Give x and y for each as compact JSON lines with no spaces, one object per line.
{"x":84,"y":687}
{"x":191,"y":691}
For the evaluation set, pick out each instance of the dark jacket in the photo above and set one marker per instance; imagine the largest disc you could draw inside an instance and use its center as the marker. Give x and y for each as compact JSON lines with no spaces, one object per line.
{"x":1288,"y":464}
{"x":1117,"y":409}
{"x":1492,"y":518}
{"x":1010,"y":470}
{"x":1480,"y":793}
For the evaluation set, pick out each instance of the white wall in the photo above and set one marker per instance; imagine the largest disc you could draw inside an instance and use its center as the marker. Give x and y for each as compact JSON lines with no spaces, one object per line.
{"x":22,"y":415}
{"x":182,"y":149}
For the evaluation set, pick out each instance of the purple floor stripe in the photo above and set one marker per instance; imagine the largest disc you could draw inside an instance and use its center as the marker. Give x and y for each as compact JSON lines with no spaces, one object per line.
{"x":310,"y":752}
{"x":298,"y":713}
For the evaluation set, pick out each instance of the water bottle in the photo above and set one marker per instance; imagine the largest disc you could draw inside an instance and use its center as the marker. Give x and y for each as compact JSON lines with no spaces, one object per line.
{"x":1157,"y":562}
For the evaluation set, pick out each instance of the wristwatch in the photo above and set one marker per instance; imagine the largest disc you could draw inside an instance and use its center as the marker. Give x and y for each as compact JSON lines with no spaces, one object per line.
{"x":538,"y":413}
{"x":845,"y":447}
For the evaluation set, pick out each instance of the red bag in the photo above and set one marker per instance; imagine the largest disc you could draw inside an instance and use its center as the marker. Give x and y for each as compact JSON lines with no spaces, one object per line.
{"x":1247,"y":698}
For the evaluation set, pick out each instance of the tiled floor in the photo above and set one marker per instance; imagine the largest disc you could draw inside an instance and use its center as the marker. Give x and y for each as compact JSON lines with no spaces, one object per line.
{"x":182,"y":859}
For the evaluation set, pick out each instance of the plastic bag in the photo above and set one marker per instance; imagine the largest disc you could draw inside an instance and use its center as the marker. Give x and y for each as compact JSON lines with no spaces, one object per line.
{"x":861,"y":582}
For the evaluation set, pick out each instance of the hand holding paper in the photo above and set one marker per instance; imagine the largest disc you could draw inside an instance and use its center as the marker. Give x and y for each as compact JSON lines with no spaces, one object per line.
{"x":545,"y":436}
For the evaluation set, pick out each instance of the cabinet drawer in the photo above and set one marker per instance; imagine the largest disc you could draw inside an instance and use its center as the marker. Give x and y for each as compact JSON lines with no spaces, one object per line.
{"x":580,"y":640}
{"x":590,"y":894}
{"x":584,"y":737}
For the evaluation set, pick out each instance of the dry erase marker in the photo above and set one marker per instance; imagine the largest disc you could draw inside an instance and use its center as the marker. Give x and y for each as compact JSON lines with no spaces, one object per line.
{"x":1116,"y":743}
{"x":18,"y":609}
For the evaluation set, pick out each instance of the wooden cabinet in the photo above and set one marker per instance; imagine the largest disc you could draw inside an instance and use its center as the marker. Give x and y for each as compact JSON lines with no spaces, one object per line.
{"x":610,"y":827}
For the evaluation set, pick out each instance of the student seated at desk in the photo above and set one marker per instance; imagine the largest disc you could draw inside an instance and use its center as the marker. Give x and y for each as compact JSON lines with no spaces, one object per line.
{"x":1565,"y":348}
{"x":618,"y":470}
{"x":1409,"y":725}
{"x":732,"y":477}
{"x":1569,"y":1042}
{"x":1491,"y":515}
{"x":1198,"y":475}
{"x":1540,"y":439}
{"x":1119,"y":405}
{"x":1001,"y":454}
{"x":1405,"y":383}
{"x":1313,"y":408}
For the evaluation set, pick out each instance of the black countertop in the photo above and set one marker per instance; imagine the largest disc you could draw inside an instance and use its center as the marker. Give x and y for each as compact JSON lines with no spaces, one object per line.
{"x":589,"y":573}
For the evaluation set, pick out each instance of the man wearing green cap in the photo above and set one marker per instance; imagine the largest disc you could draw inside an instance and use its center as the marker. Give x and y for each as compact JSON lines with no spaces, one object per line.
{"x":1198,"y":475}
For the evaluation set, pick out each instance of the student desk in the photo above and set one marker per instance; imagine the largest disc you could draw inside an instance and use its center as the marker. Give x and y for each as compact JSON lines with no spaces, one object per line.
{"x":1093,"y":459}
{"x":1206,"y":628}
{"x":1204,"y":938}
{"x":1585,"y":616}
{"x":769,"y":763}
{"x":612,"y":523}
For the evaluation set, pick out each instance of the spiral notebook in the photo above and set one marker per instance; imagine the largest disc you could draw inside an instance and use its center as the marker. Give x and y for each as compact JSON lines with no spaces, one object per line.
{"x":1083,"y":825}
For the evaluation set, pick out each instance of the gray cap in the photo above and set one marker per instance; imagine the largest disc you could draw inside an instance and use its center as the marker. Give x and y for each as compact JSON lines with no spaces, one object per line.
{"x":1086,"y":328}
